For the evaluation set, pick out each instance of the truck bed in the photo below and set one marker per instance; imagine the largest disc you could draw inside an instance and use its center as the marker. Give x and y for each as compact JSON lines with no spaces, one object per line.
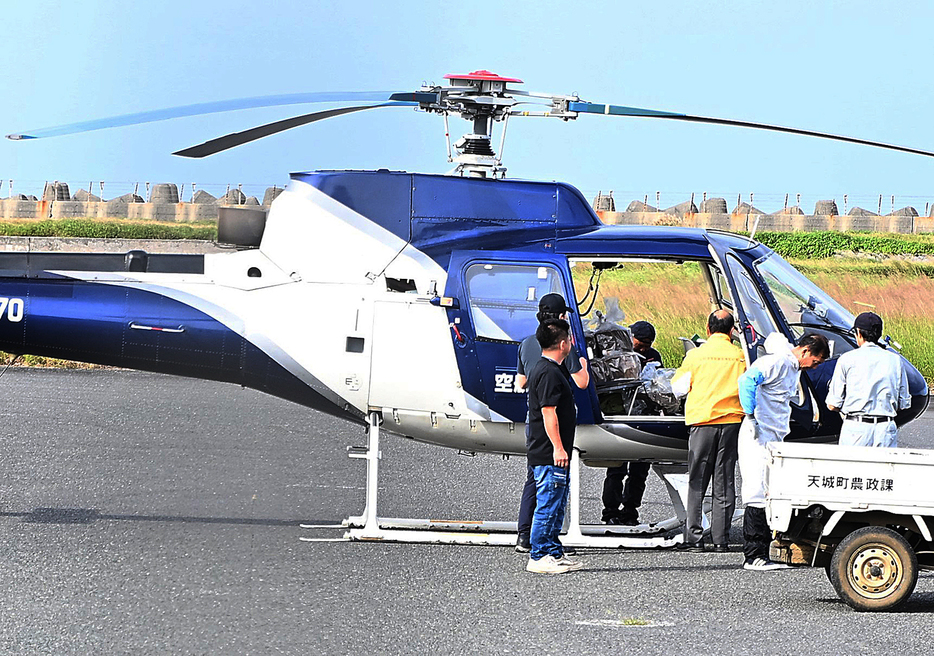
{"x":850,"y":479}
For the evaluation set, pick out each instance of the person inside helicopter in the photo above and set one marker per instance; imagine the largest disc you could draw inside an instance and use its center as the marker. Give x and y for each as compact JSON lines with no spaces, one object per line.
{"x":624,"y":484}
{"x":627,"y":369}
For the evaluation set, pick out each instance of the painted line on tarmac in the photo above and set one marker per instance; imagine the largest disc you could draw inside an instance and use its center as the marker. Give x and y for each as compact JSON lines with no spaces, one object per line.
{"x":623,"y":624}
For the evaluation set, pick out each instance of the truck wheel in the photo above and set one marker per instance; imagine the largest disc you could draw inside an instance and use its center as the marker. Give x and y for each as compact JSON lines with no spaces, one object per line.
{"x":874,"y":568}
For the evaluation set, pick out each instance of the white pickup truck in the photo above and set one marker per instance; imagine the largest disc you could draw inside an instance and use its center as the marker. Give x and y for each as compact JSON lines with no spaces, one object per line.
{"x":864,"y":514}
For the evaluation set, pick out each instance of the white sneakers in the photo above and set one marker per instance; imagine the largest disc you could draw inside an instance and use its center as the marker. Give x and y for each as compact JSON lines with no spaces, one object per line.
{"x":762,"y":565}
{"x":573,"y":563}
{"x":551,"y":565}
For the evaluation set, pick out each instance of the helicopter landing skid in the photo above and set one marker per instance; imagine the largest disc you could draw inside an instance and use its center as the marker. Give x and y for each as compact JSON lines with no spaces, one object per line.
{"x":368,"y":527}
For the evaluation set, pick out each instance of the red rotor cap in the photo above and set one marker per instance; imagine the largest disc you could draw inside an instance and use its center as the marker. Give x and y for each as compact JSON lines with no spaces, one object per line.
{"x":482,"y":75}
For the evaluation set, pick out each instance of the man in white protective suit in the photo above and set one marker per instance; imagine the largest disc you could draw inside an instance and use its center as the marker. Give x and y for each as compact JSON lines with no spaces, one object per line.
{"x":765,"y":392}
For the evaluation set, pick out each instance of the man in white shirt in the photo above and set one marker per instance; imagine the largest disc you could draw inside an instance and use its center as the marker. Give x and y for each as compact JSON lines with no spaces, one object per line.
{"x":869,"y":387}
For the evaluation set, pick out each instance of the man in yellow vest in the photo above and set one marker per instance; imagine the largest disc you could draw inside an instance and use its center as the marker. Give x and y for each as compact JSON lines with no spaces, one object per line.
{"x":713,"y":412}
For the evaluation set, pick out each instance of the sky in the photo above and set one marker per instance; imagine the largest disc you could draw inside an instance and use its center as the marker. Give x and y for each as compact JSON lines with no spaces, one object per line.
{"x":856,"y":68}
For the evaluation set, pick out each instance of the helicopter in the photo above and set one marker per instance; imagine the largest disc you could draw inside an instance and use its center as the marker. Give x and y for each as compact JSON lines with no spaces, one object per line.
{"x":398,"y":300}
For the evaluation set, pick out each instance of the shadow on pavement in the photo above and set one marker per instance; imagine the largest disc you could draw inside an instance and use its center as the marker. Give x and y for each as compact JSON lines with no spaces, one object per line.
{"x":89,"y":515}
{"x":919,"y":602}
{"x":686,"y":568}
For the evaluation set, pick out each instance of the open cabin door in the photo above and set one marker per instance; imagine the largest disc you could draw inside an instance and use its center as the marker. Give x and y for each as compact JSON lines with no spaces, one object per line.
{"x":756,"y":319}
{"x":497,"y":295}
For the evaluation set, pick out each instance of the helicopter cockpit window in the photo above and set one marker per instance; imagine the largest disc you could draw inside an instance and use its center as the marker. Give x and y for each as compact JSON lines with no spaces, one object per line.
{"x":504,"y":298}
{"x":804,"y":305}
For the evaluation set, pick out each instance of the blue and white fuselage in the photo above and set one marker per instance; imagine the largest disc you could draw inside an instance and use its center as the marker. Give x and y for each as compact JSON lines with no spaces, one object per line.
{"x":338,"y":309}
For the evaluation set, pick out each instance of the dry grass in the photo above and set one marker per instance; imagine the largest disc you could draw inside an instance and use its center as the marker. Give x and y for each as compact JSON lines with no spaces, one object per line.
{"x":45,"y":363}
{"x":673,"y":298}
{"x":124,"y":221}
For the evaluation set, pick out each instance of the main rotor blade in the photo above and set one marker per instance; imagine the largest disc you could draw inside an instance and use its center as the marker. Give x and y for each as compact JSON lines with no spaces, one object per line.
{"x":619,"y":110}
{"x":239,"y":138}
{"x":207,"y":108}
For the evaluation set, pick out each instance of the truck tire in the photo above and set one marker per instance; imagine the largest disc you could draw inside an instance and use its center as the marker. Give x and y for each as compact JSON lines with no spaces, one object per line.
{"x":874,"y":568}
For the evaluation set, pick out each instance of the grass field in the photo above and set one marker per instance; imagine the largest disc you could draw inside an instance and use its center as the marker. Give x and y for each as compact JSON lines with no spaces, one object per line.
{"x":674,"y":299}
{"x":109,"y":229}
{"x":901,"y":294}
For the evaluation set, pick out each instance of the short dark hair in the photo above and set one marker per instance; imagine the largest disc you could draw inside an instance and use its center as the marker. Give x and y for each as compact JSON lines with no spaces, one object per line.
{"x":816,"y":345}
{"x":722,"y":324}
{"x":545,"y":315}
{"x":550,"y":332}
{"x":870,"y":334}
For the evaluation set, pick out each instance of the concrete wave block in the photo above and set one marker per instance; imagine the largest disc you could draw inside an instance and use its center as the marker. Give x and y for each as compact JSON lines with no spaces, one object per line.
{"x":713,"y":206}
{"x":687,"y":207}
{"x":639,"y":206}
{"x":164,"y":192}
{"x":232,"y":197}
{"x":84,"y":196}
{"x":905,"y":211}
{"x":202,"y":197}
{"x":271,"y":194}
{"x":746,"y":208}
{"x":56,"y":191}
{"x":794,"y":210}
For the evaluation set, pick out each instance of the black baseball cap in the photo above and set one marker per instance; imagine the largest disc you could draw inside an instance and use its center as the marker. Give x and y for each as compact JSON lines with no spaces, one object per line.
{"x":643,"y":331}
{"x":869,"y":321}
{"x":554,"y":304}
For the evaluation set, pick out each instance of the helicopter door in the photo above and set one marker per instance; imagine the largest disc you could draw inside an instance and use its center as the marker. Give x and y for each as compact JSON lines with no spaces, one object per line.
{"x":756,"y":322}
{"x":497,"y":297}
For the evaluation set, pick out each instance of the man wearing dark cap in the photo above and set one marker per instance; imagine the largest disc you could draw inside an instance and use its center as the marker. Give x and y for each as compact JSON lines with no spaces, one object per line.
{"x":869,"y":387}
{"x":551,"y":306}
{"x":643,"y":336}
{"x":624,"y":485}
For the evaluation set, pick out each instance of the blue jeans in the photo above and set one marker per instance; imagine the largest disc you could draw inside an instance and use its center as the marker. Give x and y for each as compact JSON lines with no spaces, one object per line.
{"x":551,"y":499}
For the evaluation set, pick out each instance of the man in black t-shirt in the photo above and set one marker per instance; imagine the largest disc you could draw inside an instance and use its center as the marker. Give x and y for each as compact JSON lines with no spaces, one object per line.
{"x":624,"y":485}
{"x":552,"y":421}
{"x":551,"y":306}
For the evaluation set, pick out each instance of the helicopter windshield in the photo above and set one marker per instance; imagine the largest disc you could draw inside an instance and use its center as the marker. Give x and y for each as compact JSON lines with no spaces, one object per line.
{"x":802,"y":303}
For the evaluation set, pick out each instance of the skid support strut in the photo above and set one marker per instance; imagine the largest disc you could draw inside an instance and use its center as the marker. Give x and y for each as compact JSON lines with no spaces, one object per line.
{"x":368,"y":521}
{"x":370,"y":527}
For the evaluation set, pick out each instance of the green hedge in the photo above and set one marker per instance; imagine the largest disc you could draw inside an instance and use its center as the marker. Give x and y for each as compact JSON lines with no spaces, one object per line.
{"x":818,"y":245}
{"x":792,"y":245}
{"x":106,"y":230}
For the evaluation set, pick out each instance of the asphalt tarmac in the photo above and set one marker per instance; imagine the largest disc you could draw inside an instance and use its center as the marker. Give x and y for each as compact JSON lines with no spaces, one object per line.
{"x":147,"y":514}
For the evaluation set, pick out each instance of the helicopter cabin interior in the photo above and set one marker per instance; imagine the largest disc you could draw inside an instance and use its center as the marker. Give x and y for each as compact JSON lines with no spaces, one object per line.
{"x":674,"y":296}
